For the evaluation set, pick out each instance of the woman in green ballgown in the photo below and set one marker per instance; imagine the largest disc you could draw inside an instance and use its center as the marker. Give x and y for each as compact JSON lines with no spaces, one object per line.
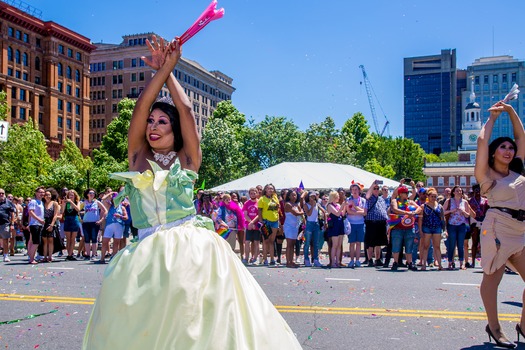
{"x":181,"y":286}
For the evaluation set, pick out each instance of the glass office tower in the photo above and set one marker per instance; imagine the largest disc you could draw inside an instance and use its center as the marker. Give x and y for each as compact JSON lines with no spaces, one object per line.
{"x":432,"y":100}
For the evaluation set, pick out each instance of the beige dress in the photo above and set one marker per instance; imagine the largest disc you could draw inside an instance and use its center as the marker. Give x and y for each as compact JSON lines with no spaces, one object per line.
{"x":501,"y":235}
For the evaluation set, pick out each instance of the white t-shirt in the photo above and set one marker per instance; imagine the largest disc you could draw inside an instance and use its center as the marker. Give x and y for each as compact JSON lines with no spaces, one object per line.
{"x":38,"y":208}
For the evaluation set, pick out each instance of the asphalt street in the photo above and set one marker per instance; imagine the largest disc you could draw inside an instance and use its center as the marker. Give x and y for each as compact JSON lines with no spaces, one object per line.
{"x":47,"y":306}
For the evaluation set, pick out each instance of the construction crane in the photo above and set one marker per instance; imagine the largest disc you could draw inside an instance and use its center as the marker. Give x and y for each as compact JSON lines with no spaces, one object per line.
{"x":369,"y":92}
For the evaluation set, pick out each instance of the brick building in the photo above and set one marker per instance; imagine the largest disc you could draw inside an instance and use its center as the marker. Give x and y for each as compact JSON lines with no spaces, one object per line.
{"x":44,"y":68}
{"x":117,"y":71}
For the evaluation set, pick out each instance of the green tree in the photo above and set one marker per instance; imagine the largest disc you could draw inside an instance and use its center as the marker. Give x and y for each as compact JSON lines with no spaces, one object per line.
{"x":449,"y":156}
{"x":323,"y":143}
{"x":433,"y":158}
{"x":4,"y":108}
{"x":275,"y":140}
{"x":103,"y":166}
{"x":24,"y":158}
{"x":375,"y":167}
{"x":115,"y":142}
{"x":354,"y":133}
{"x":70,"y":169}
{"x":227,"y":112}
{"x":222,"y":153}
{"x":406,"y":158}
{"x":113,"y":153}
{"x":64,"y":175}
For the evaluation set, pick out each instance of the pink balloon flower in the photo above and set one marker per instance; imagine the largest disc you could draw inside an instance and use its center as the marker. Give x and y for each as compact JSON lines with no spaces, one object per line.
{"x":210,"y":14}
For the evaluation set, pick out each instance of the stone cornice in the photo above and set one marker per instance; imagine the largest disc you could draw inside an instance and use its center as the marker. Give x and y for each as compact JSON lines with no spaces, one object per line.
{"x":47,"y":28}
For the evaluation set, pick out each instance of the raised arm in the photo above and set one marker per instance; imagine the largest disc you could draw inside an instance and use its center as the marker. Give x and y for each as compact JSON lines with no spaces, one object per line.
{"x":190,"y":155}
{"x":137,"y":129}
{"x":308,"y":208}
{"x":482,"y":169}
{"x":370,"y":190}
{"x":414,"y":191}
{"x":519,"y":132}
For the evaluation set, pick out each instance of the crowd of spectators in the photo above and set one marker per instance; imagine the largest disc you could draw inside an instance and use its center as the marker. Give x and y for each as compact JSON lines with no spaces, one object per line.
{"x":406,"y":226}
{"x":50,"y":225}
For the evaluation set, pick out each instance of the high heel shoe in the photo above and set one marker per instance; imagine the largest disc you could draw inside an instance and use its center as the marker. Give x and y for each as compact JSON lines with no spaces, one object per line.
{"x":504,"y":344}
{"x":519,"y":331}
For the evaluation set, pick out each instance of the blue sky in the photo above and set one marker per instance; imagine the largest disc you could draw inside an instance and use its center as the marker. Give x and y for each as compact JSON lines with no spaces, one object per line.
{"x":300,"y":59}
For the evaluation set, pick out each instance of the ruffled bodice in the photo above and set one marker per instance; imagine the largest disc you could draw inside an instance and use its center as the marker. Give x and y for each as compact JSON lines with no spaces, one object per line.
{"x":160,"y":196}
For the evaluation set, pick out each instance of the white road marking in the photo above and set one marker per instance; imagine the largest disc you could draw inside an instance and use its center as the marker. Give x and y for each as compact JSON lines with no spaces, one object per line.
{"x":60,"y":268}
{"x":462,"y":284}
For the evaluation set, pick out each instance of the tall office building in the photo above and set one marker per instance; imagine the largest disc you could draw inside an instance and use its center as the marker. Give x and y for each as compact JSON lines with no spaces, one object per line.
{"x":492,"y":78}
{"x":432,"y":100}
{"x":44,"y":68}
{"x":117,"y":71}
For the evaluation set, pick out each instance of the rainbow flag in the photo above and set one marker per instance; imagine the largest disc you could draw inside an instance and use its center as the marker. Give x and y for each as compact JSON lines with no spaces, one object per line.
{"x":223,"y":231}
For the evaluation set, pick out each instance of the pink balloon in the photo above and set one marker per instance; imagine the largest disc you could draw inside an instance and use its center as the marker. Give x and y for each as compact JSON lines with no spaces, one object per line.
{"x":210,"y":14}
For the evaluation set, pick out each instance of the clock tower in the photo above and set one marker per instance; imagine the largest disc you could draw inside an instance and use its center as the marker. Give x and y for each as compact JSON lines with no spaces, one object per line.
{"x":471,"y":123}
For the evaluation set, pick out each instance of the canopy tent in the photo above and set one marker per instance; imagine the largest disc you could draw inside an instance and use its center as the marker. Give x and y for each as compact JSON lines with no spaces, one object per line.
{"x":319,"y":176}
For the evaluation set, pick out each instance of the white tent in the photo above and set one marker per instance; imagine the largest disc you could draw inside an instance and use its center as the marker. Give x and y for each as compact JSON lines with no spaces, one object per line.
{"x":313,"y":176}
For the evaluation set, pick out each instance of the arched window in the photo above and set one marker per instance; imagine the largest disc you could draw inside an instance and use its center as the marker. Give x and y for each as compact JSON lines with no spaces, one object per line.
{"x":59,"y":68}
{"x":37,"y":63}
{"x":77,"y":75}
{"x":24,"y":59}
{"x":17,"y":56}
{"x":9,"y":53}
{"x":68,"y":72}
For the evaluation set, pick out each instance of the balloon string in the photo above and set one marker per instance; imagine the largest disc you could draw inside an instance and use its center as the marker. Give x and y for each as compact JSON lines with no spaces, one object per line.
{"x":28,"y":317}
